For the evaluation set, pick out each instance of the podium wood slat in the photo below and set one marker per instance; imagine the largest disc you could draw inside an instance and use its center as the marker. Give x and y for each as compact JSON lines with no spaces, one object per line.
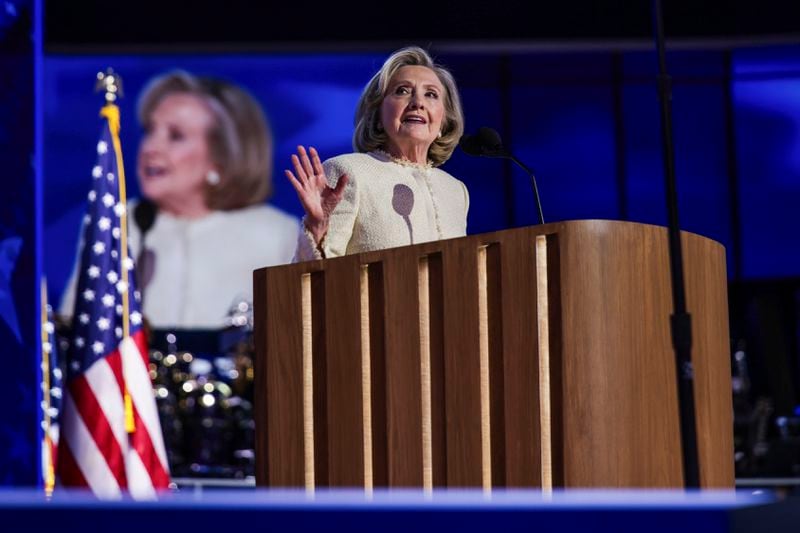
{"x":377,"y":362}
{"x":520,"y":359}
{"x":462,"y":364}
{"x":344,"y":394}
{"x":284,"y":380}
{"x":496,"y":361}
{"x":403,"y":383}
{"x":260,"y":376}
{"x":706,"y":298}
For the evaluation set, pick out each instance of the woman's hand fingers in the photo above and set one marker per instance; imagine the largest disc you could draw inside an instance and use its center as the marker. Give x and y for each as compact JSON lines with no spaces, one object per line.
{"x":295,"y":183}
{"x":316,"y":163}
{"x":298,"y":170}
{"x":309,"y":181}
{"x":304,"y":160}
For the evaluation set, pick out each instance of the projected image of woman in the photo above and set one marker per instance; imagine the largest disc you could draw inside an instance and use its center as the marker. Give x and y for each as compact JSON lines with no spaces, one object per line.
{"x":202,"y":227}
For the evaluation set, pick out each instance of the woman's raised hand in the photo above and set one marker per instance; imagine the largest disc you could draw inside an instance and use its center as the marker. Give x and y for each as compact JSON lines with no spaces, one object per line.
{"x":318,"y":199}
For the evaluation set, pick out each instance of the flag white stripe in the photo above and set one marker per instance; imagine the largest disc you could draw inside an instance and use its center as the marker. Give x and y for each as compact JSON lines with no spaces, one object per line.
{"x":141,"y":391}
{"x":104,"y":386}
{"x":140,"y":484}
{"x":87,"y":455}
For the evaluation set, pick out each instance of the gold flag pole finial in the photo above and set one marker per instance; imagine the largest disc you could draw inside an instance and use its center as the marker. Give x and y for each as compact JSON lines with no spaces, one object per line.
{"x":109,"y":82}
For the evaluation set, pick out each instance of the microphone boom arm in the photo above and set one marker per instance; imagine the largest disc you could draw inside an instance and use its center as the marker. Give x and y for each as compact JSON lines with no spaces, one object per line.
{"x":533,"y":184}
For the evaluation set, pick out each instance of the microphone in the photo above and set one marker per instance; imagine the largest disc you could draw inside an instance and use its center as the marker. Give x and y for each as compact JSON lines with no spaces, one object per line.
{"x":145,"y":216}
{"x":487,"y":143}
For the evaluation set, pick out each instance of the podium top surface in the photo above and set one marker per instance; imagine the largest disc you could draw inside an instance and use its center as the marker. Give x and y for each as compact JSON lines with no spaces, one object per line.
{"x":587,"y":226}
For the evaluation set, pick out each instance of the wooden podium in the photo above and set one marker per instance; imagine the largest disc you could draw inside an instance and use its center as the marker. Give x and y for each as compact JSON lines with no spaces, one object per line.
{"x":532,"y":357}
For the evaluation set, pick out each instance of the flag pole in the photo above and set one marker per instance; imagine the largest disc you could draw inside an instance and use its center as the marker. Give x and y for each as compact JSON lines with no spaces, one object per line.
{"x":111,"y":83}
{"x":47,"y":348}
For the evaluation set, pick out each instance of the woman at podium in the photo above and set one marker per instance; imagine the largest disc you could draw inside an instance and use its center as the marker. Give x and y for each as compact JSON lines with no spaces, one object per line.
{"x":390,"y":192}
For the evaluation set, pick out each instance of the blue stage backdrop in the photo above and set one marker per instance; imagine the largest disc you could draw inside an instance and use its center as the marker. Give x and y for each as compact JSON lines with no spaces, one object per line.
{"x":587,"y":123}
{"x":767,"y":95}
{"x":19,"y":325}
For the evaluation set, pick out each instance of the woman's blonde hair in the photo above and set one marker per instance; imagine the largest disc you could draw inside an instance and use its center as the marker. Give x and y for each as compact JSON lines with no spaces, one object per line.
{"x":240,"y":140}
{"x":369,"y":134}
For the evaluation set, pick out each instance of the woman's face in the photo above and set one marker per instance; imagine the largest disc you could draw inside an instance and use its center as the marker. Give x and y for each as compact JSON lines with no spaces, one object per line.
{"x":174,"y":157}
{"x":413,"y":109}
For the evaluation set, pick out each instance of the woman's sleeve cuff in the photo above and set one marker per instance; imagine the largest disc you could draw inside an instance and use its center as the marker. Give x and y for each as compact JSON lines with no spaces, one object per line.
{"x":307,"y":247}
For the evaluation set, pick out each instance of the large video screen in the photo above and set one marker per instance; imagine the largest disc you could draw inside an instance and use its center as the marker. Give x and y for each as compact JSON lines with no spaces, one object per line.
{"x":588,"y":125}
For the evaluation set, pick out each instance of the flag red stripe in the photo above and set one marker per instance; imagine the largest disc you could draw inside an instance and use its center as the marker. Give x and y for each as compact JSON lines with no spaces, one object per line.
{"x":141,"y":442}
{"x":114,"y":360}
{"x":96,"y":422}
{"x":141,"y":343}
{"x":68,"y":469}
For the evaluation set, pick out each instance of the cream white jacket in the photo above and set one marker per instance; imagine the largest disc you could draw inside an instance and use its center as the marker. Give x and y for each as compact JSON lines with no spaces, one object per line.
{"x":387,"y":203}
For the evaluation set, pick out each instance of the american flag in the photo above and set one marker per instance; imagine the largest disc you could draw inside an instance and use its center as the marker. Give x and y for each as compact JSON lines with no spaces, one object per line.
{"x":111,"y":437}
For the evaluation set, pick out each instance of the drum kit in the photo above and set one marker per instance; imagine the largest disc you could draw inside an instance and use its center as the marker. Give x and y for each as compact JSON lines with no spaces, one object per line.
{"x":203,"y":385}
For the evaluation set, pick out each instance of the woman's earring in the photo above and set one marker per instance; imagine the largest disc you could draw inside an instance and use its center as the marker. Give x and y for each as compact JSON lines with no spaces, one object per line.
{"x":213,"y":177}
{"x":440,"y":134}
